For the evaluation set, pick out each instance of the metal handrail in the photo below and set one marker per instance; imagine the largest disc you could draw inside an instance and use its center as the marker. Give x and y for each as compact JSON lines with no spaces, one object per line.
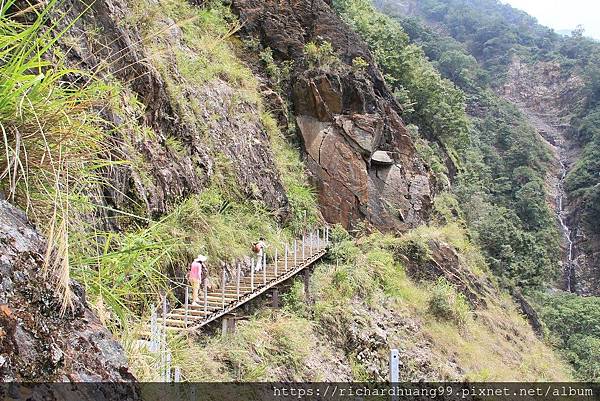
{"x":308,"y":243}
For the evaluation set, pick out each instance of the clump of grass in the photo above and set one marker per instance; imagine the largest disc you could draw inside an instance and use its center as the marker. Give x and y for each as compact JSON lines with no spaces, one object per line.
{"x":52,"y":138}
{"x":265,"y":348}
{"x":447,"y":303}
{"x":415,"y":248}
{"x":322,"y":56}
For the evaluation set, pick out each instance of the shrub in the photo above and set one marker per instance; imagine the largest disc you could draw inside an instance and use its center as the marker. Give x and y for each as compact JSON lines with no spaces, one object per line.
{"x":448,"y":304}
{"x":415,"y":248}
{"x":359,"y":65}
{"x":321,"y":56}
{"x":279,"y":74}
{"x":294,"y":300}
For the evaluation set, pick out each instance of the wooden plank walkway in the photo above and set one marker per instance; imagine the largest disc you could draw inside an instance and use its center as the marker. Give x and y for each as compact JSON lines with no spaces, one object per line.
{"x":239,"y":290}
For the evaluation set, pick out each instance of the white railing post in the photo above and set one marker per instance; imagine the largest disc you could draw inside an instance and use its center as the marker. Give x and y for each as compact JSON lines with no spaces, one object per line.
{"x":168,"y":367}
{"x":252,"y":267}
{"x":303,"y":246}
{"x":154,"y":331}
{"x":264,"y":266}
{"x":276,"y":255}
{"x":318,"y":239}
{"x":295,"y":252}
{"x":310,"y":244}
{"x":287,"y":255}
{"x":177,"y":375}
{"x":223,"y":287}
{"x":163,"y":353}
{"x":326,"y":235}
{"x":187,"y":300}
{"x":237,"y":285}
{"x":394,"y":370}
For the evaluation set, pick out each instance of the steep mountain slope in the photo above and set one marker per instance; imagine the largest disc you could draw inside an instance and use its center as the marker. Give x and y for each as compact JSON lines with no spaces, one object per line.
{"x":550,"y":77}
{"x":552,"y":81}
{"x":210,"y":127}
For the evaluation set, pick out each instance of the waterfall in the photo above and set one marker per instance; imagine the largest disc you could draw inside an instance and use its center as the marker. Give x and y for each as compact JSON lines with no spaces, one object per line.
{"x":561,"y":213}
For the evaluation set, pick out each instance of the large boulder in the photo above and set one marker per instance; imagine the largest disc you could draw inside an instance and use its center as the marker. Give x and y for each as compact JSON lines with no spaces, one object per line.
{"x":347,"y":119}
{"x":39,"y":343}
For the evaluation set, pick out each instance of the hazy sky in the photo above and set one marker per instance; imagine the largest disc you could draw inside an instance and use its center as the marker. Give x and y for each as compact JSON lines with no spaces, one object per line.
{"x":563,"y":14}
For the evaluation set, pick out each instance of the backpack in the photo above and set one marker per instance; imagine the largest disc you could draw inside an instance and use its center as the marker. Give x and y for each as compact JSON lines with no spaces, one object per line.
{"x":256,"y":248}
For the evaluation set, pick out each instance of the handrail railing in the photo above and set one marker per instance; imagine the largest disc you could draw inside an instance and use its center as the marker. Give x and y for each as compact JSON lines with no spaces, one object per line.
{"x":311,"y":244}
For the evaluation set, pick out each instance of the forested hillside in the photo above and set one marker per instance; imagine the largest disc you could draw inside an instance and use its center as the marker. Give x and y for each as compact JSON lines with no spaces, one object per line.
{"x":138,"y":136}
{"x":491,"y":51}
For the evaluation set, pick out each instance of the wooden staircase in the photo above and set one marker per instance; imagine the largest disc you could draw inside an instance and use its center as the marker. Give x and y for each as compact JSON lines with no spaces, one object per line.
{"x":240,"y":289}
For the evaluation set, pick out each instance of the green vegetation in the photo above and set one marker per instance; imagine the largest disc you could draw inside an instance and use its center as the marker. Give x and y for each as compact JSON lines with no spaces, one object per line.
{"x":56,"y":149}
{"x":448,"y":304}
{"x":220,"y":222}
{"x":500,"y":184}
{"x":52,"y":141}
{"x":494,"y":34}
{"x":364,"y":289}
{"x":321,"y":56}
{"x":210,"y":223}
{"x":574,"y":322}
{"x":429,"y":101}
{"x":501,"y":187}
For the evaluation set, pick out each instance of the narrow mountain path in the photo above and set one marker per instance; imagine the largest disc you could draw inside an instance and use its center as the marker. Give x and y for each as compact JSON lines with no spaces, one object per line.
{"x":238,"y":289}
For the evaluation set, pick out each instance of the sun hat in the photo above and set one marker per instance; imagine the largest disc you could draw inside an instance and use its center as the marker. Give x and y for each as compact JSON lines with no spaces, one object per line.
{"x":202,"y":258}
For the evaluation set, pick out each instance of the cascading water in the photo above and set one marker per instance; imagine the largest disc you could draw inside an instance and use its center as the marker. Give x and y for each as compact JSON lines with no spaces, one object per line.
{"x":561,"y":213}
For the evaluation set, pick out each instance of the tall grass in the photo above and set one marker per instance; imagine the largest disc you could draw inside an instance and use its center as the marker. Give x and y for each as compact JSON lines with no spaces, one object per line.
{"x":134,"y":269}
{"x":50,"y":134}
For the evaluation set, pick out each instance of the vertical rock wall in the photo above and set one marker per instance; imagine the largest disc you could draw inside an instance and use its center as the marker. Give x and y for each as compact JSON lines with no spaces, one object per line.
{"x":357,"y":148}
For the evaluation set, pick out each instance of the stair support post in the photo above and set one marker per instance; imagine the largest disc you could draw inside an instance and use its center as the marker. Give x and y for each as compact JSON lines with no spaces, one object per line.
{"x":307,"y":285}
{"x":287,"y":254}
{"x":303,"y":246}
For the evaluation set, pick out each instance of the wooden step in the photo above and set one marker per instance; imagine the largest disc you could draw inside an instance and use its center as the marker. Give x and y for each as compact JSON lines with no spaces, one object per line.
{"x":181,"y":316}
{"x":171,"y":322}
{"x":211,"y":305}
{"x":191,"y":312}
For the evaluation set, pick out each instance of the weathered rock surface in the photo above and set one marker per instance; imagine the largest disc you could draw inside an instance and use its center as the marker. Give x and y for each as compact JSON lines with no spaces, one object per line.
{"x":37,"y":343}
{"x":344,"y":118}
{"x":204,"y":122}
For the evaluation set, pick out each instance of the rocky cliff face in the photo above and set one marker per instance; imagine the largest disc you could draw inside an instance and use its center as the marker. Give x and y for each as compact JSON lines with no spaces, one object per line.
{"x":358,"y":151}
{"x":188,"y":127}
{"x":37,"y":342}
{"x":547,"y":96}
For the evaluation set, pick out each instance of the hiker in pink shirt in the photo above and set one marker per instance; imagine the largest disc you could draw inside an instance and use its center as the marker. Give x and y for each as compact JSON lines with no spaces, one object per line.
{"x":195,"y":276}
